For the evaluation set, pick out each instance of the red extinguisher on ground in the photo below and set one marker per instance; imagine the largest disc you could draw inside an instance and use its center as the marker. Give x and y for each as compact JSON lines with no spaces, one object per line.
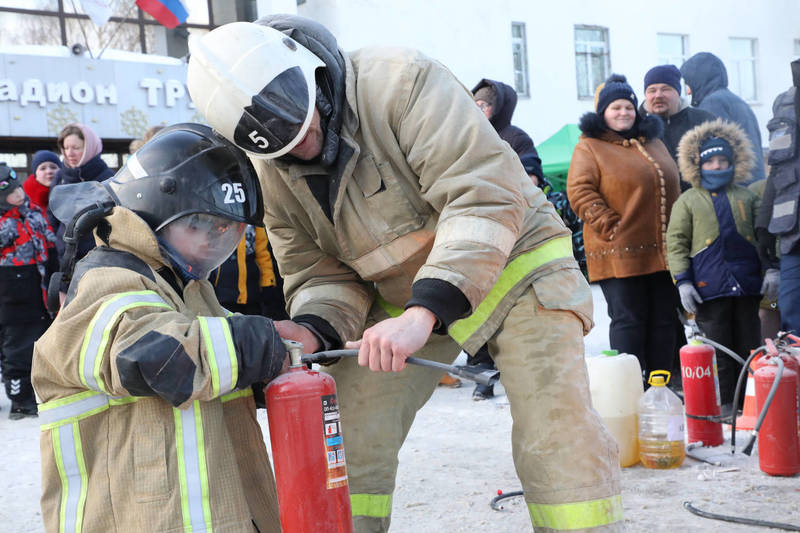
{"x":701,"y":393}
{"x":778,"y":441}
{"x":307,"y":450}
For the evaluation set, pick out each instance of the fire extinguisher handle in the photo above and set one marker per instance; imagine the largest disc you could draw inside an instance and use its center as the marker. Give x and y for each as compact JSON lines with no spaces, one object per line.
{"x":481,"y":376}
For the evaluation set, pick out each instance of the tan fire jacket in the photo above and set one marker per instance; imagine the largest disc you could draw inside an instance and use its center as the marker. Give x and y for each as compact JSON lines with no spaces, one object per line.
{"x":430,"y":191}
{"x":114,"y":461}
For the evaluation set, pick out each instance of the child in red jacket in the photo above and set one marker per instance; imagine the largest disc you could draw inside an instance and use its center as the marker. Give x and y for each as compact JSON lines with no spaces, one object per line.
{"x":27,"y":257}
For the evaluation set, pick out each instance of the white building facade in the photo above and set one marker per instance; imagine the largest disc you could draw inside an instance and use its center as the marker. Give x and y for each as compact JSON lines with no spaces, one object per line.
{"x":556,"y":52}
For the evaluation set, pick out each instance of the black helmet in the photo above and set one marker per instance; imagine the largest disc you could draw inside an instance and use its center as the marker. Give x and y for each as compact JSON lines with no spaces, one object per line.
{"x":184,"y":169}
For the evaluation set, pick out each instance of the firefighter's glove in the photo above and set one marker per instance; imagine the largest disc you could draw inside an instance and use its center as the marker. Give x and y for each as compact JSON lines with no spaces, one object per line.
{"x":769,"y":287}
{"x":766,"y":248}
{"x":689,"y":297}
{"x":259,"y":349}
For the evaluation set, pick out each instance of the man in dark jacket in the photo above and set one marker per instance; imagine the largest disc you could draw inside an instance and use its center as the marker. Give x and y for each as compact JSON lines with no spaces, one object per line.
{"x":498,"y":101}
{"x":778,"y":214}
{"x":662,"y":97}
{"x":707,"y":82}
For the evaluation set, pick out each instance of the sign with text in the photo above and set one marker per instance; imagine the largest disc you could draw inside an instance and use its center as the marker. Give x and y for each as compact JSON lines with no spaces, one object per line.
{"x":118,"y":99}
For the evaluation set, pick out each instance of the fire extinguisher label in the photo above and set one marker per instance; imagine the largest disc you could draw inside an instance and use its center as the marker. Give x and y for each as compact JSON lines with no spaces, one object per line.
{"x":332,"y":438}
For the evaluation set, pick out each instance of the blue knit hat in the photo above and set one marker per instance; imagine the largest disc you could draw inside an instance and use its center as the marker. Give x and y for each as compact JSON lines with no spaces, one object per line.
{"x":715,"y":146}
{"x":668,"y":74}
{"x":616,"y":88}
{"x":44,"y":155}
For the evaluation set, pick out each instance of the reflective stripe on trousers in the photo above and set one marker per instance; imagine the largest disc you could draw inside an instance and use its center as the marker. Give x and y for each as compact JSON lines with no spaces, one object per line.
{"x":99,"y":330}
{"x":372,"y":505}
{"x":578,"y":515}
{"x":61,"y":417}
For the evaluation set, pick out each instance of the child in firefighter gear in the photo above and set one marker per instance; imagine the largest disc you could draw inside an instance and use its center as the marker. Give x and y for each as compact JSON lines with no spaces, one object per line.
{"x":145,"y":379}
{"x":395,"y":211}
{"x":27,"y":258}
{"x":711,"y":244}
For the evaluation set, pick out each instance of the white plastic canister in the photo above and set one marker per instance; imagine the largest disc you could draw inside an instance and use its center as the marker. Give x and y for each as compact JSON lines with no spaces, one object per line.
{"x":615,"y":382}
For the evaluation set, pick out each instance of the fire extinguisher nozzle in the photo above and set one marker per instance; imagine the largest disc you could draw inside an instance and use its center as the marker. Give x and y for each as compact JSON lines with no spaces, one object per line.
{"x":748,"y":449}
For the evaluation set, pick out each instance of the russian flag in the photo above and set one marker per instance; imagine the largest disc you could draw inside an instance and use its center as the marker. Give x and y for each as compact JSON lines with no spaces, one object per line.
{"x":169,"y":13}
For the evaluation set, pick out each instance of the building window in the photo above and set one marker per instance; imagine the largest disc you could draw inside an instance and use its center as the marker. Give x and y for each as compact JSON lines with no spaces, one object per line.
{"x":673,"y":49}
{"x":797,"y":47}
{"x":592,"y":59}
{"x":742,"y":70}
{"x":519,"y":51}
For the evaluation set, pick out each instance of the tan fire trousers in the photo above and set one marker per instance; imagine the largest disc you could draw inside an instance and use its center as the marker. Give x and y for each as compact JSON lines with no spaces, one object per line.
{"x":566,"y":459}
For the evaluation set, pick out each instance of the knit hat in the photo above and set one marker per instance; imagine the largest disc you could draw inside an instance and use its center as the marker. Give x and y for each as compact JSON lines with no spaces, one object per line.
{"x":44,"y":155}
{"x":715,"y":146}
{"x":615,"y":88}
{"x":668,"y":74}
{"x":487,"y":93}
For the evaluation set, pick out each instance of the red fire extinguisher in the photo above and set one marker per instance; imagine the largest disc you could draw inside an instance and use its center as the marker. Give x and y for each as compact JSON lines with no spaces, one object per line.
{"x":701,"y":393}
{"x":307,"y":450}
{"x":778,"y":443}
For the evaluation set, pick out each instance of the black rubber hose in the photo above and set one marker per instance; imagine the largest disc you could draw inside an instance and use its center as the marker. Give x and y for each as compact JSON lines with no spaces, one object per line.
{"x":495,"y":503}
{"x":738,"y":393}
{"x":739,"y":520}
{"x":763,"y":414}
{"x":719,"y":346}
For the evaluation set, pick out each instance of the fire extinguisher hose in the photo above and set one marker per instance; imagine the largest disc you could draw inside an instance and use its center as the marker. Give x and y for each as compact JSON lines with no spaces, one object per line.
{"x":719,"y":346}
{"x":495,"y":503}
{"x":481,"y":376}
{"x":738,"y":392}
{"x":748,"y":449}
{"x":739,"y":520}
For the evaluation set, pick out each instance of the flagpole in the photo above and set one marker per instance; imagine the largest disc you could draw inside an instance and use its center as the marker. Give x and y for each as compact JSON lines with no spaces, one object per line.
{"x":85,"y":38}
{"x":119,"y":25}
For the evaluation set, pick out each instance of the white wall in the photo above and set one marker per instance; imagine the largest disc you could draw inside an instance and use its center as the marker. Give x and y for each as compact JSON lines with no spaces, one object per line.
{"x":474,"y":40}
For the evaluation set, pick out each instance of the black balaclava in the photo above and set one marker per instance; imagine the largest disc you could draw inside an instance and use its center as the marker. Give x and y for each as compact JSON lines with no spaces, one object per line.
{"x":330,"y":80}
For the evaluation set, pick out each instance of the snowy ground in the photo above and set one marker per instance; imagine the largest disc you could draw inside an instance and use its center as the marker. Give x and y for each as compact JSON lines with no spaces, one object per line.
{"x":458,"y":454}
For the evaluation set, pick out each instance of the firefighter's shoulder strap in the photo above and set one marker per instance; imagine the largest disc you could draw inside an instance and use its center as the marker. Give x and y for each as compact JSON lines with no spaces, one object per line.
{"x":105,"y":256}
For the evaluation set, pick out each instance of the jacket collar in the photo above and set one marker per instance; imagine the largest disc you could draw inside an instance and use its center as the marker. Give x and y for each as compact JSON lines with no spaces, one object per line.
{"x":130,"y":233}
{"x":593,"y":127}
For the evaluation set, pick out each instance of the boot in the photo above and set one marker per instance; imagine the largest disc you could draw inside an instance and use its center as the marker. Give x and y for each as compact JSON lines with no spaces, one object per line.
{"x":483,"y":392}
{"x":450,"y":381}
{"x":23,"y":400}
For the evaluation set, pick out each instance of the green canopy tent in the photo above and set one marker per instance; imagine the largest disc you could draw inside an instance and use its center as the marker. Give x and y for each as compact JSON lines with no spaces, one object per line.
{"x":556,"y":153}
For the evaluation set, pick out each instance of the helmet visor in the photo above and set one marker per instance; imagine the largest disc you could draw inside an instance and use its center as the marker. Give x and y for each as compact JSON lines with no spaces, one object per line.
{"x":276,"y":115}
{"x":200,"y":242}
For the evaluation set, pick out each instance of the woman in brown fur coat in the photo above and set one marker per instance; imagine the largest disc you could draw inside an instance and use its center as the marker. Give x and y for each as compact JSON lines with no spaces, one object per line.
{"x":622,"y":183}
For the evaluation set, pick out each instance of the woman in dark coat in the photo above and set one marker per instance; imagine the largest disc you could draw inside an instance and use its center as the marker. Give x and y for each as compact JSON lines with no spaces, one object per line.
{"x":81,"y":148}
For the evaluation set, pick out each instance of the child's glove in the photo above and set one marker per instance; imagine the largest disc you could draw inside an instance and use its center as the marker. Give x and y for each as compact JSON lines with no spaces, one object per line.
{"x":689,"y":297}
{"x":769,"y":287}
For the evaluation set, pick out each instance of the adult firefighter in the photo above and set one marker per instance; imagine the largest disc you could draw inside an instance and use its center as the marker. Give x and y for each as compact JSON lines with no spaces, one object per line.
{"x":148,"y":420}
{"x":395,"y":210}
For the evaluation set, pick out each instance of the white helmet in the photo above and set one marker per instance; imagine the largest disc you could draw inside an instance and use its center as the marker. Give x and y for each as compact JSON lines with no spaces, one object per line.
{"x":254,"y":85}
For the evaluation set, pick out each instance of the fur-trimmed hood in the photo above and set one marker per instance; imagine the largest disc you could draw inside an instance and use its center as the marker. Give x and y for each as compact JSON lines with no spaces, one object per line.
{"x":593,"y":126}
{"x":689,"y":150}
